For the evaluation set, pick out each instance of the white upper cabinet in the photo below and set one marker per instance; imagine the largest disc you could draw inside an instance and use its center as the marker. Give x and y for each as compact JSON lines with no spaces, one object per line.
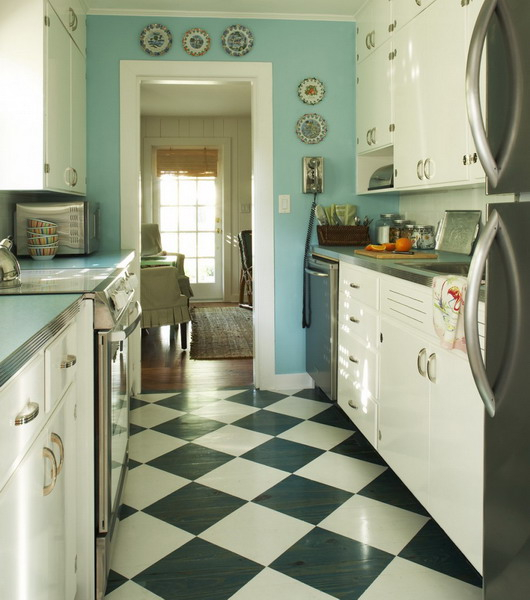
{"x":42,"y":104}
{"x":373,"y":27}
{"x":374,"y":100}
{"x":429,"y":98}
{"x":72,"y":16}
{"x":404,"y":11}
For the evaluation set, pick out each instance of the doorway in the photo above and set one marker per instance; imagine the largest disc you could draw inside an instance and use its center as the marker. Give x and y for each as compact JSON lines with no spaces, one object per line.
{"x":132,"y":74}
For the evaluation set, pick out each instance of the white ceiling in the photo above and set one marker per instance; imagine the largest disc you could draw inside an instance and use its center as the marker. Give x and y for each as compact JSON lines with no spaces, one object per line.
{"x":207,"y":100}
{"x":286,"y":9}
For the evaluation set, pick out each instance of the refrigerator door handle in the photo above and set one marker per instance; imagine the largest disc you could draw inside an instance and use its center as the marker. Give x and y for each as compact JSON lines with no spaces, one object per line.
{"x":316,"y":273}
{"x":476,"y":121}
{"x":474,"y":279}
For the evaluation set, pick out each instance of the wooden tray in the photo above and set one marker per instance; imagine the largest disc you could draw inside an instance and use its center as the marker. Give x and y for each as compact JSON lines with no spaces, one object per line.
{"x":395,"y":255}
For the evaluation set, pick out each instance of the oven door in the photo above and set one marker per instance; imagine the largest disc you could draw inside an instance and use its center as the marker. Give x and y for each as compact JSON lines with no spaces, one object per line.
{"x":112,"y":432}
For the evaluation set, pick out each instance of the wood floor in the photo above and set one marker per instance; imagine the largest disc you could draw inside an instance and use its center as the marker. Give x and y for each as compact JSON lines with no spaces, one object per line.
{"x":166,"y":367}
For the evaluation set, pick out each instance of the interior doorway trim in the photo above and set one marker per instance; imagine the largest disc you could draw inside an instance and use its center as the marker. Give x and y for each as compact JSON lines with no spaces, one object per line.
{"x":132,"y":74}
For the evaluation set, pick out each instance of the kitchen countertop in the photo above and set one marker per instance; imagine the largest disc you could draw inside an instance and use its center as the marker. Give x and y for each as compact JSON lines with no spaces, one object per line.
{"x":33,"y":320}
{"x":411,"y":271}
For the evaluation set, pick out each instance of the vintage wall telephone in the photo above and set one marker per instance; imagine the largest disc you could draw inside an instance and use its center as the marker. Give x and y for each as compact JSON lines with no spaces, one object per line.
{"x":312,"y":175}
{"x":312,"y":183}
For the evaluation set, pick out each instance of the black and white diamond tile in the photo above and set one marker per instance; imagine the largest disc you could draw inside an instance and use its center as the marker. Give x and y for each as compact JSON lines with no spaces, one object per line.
{"x":245,"y":494}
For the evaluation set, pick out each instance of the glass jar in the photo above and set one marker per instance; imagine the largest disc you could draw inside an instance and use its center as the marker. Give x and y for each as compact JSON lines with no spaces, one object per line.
{"x":382,"y":227}
{"x":398,"y":229}
{"x":423,"y":237}
{"x":408,"y":230}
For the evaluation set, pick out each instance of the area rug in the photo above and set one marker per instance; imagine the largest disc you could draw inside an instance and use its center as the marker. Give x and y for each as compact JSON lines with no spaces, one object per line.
{"x":221,"y":332}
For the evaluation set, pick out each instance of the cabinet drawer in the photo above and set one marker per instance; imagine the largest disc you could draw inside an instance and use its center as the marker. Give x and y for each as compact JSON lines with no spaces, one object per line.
{"x":60,"y":359}
{"x":21,"y":414}
{"x":358,"y":366}
{"x":409,"y":303}
{"x":357,"y":320}
{"x":359,"y":284}
{"x":361,"y":409}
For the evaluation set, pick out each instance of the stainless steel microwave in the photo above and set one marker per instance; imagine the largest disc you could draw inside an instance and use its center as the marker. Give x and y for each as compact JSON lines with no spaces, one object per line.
{"x":77,"y":225}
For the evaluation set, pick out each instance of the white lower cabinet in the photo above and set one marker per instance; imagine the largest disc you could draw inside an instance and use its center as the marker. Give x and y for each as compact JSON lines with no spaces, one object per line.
{"x":37,"y":515}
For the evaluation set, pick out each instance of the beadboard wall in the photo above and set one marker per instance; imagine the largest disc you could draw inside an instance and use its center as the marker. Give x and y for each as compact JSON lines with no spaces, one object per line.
{"x":238,"y":192}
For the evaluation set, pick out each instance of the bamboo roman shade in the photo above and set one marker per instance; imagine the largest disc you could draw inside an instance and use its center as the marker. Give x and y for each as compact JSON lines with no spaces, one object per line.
{"x":188,"y":162}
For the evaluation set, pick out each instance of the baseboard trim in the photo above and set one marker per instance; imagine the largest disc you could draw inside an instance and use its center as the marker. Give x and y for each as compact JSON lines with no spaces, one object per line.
{"x":291,"y":381}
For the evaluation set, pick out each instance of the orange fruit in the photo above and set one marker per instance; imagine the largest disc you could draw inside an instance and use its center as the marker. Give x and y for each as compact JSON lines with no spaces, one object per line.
{"x":376,"y":247}
{"x":390,"y":247}
{"x":403,"y":245}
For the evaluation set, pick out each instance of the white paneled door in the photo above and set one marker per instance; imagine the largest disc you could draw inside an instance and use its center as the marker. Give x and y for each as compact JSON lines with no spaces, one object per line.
{"x":190,"y":223}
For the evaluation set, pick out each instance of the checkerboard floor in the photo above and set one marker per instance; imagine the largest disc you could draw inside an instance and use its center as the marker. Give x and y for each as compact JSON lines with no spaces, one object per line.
{"x":245,"y":494}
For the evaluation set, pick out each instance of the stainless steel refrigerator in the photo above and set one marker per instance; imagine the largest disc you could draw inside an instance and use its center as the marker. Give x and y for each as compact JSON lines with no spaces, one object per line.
{"x":502,"y":378}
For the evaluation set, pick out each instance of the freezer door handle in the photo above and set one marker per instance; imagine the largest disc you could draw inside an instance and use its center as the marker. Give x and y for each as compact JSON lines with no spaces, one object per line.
{"x":494,"y":230}
{"x":492,"y":167}
{"x":316,"y":273}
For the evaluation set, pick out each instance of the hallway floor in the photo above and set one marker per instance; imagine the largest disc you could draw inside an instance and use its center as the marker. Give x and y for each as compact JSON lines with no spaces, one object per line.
{"x":244,"y":494}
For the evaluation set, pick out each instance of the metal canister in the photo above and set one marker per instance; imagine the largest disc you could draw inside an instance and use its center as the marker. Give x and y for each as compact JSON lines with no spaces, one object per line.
{"x":398,"y":229}
{"x":423,"y":237}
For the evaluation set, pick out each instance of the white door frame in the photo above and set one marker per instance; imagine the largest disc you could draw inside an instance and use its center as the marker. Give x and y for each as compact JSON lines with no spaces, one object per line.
{"x":132,"y":74}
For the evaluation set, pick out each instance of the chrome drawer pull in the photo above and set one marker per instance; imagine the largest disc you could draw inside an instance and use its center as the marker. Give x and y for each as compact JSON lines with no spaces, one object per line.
{"x":354,"y":320}
{"x":355,"y":286}
{"x":353,"y":360}
{"x":56,"y":439}
{"x":354,"y":406}
{"x":69,"y":361}
{"x":48,"y":489}
{"x":27,"y":414}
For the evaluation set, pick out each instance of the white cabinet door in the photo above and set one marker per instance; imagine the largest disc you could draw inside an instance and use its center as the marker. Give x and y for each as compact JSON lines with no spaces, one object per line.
{"x":404,"y":407}
{"x":373,"y":27}
{"x":374,"y":100}
{"x":457,"y":454}
{"x":37,"y":516}
{"x":72,"y":16}
{"x":404,"y":11}
{"x":78,"y":120}
{"x":429,"y":112}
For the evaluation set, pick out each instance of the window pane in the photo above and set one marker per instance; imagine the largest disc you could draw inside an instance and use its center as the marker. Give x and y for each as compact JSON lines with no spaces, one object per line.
{"x":188,"y":218}
{"x":168,"y":219}
{"x":169,"y":242}
{"x":190,"y":268}
{"x":168,"y":190}
{"x":188,"y":244}
{"x":206,"y":270}
{"x":206,"y":191}
{"x":188,"y":192}
{"x":206,"y":243}
{"x":206,"y":218}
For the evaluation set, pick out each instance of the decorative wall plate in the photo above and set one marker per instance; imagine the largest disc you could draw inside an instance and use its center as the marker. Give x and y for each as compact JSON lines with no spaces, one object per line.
{"x":156,"y":39}
{"x":311,"y":128}
{"x":237,"y":40}
{"x":311,"y":91}
{"x":196,"y":42}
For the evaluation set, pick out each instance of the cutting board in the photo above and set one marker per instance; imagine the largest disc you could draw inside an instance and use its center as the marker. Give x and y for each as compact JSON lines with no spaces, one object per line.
{"x":393,"y":255}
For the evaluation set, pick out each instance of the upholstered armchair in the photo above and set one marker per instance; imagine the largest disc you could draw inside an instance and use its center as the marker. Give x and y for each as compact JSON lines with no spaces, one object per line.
{"x":163,"y":302}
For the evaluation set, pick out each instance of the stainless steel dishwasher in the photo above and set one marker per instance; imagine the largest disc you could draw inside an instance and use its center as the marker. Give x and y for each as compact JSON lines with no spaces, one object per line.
{"x":321,"y":333}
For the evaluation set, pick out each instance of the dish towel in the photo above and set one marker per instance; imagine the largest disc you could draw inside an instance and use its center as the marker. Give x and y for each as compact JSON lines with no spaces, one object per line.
{"x":448,"y":313}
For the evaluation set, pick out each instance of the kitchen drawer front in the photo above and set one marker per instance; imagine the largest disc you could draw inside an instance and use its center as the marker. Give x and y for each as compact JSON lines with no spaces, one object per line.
{"x":60,"y":359}
{"x":359,"y":284}
{"x":359,"y":321}
{"x":409,"y":303}
{"x":21,"y":415}
{"x":359,"y":367}
{"x":360,"y":408}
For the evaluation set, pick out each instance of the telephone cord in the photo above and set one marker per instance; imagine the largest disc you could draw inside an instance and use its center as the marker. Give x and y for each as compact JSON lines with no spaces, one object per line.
{"x":306,"y":305}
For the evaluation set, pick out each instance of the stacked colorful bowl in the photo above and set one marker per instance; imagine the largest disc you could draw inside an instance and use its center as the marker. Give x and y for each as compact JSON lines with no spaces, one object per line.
{"x":43,"y":240}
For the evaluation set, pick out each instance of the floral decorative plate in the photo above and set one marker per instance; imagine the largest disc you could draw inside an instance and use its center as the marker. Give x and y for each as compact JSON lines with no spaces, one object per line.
{"x":311,"y":128}
{"x":156,"y":39}
{"x":237,"y":40}
{"x":196,"y":42}
{"x":311,"y":91}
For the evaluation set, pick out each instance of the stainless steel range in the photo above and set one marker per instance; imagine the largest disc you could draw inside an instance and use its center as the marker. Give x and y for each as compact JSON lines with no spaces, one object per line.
{"x":116,"y":316}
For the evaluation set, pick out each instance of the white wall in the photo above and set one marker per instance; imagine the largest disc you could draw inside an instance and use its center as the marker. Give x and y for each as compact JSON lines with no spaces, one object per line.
{"x":237,"y":215}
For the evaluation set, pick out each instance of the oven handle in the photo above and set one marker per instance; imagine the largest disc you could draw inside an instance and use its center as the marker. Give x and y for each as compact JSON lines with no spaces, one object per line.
{"x":122,"y":334}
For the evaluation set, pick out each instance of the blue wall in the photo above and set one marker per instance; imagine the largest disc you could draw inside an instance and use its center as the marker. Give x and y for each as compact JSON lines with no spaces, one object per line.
{"x":296,"y":49}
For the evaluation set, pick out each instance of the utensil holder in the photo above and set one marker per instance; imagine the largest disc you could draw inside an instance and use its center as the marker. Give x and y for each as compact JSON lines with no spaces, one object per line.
{"x":343,"y":235}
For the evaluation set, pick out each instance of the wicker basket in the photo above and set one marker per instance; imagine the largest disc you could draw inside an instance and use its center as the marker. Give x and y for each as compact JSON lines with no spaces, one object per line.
{"x":343,"y":235}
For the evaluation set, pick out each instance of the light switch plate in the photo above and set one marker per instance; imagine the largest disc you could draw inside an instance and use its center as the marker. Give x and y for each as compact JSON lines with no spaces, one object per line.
{"x":284,"y":203}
